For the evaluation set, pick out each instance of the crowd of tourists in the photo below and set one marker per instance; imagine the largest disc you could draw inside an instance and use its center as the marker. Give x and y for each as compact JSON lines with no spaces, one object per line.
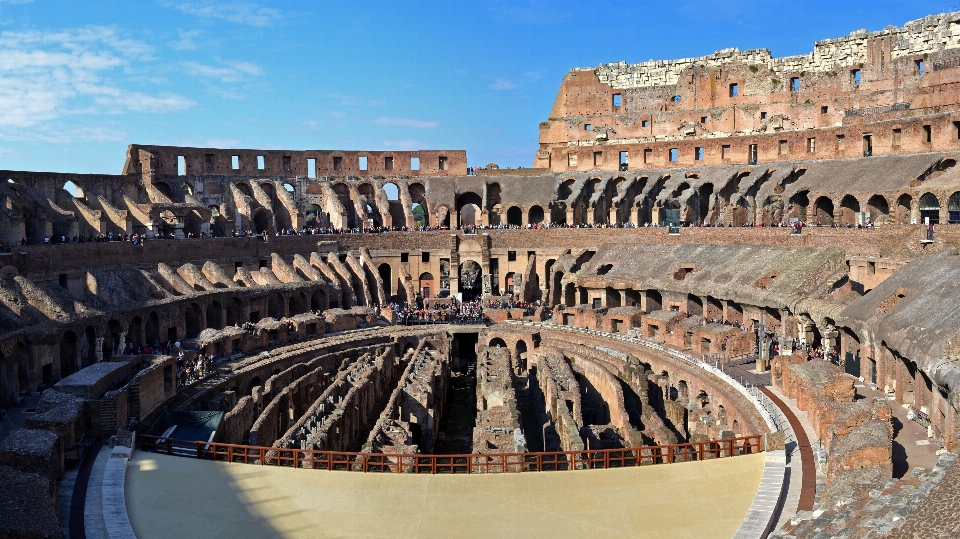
{"x":140,"y":239}
{"x":452,"y":312}
{"x":195,"y":368}
{"x":528,"y":307}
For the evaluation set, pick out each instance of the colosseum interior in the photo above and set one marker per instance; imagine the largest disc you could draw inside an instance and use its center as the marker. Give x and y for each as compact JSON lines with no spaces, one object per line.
{"x":735,"y":255}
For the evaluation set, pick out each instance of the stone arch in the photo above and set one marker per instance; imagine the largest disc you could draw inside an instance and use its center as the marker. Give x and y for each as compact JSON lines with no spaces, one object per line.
{"x":270,"y":189}
{"x":342,"y":190}
{"x":496,"y":342}
{"x":114,"y":329}
{"x":904,"y":208}
{"x":164,"y":189}
{"x":535,"y":215}
{"x":468,"y":208}
{"x":514,"y":216}
{"x":612,"y":297}
{"x":798,"y":205}
{"x":426,"y":284}
{"x":392,"y":191}
{"x":313,"y":215}
{"x":386,"y":275}
{"x":234,"y":312}
{"x":520,"y":355}
{"x":88,"y":347}
{"x":254,"y":383}
{"x":215,"y":315}
{"x":823,"y":211}
{"x":274,"y":305}
{"x":368,"y":197}
{"x":471,"y":280}
{"x":929,"y":207}
{"x":318,"y":300}
{"x":244,"y":188}
{"x":849,"y":207}
{"x":699,"y":203}
{"x":262,"y":221}
{"x":556,"y":288}
{"x":878,"y":208}
{"x":68,"y":354}
{"x":193,"y":320}
{"x":298,"y":303}
{"x":694,"y":305}
{"x":654,"y":300}
{"x":73,"y":189}
{"x":152,"y":329}
{"x":953,"y":208}
{"x":135,"y":332}
{"x":418,"y":197}
{"x":570,"y":295}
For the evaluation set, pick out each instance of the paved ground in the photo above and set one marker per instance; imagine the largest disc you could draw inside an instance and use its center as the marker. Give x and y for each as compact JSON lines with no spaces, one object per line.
{"x":181,"y":497}
{"x":907,"y":454}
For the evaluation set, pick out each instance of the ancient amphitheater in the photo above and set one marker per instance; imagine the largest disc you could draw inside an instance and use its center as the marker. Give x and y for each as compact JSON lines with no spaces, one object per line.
{"x":722,"y":303}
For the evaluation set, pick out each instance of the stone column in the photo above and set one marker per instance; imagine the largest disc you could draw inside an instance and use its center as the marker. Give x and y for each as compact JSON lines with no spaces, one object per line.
{"x":829,"y":335}
{"x":99,"y":349}
{"x":786,"y":346}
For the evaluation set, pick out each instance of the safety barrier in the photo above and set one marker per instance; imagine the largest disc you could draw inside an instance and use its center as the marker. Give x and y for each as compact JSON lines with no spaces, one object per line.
{"x":468,"y":464}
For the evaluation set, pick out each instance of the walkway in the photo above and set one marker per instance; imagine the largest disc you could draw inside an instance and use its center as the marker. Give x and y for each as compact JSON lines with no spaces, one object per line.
{"x":911,"y":447}
{"x":181,"y":497}
{"x":808,"y":485}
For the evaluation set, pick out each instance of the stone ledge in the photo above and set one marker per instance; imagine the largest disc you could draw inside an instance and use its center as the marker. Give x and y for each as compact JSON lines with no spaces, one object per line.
{"x":763,"y":511}
{"x":115,"y":517}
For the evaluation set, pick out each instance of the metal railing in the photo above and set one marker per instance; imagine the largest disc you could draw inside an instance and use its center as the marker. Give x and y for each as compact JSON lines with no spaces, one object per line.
{"x":457,"y":320}
{"x":876,"y":110}
{"x":455,"y":464}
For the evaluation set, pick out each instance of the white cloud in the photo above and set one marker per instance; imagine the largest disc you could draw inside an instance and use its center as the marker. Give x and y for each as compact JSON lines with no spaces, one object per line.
{"x":226,"y":71}
{"x":405,"y":122}
{"x":501,"y":83}
{"x":45,"y":76}
{"x":186,"y":41}
{"x":238,"y":12}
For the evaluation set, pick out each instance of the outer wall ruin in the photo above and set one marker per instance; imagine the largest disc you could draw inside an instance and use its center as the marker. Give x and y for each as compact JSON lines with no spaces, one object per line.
{"x":662,"y":206}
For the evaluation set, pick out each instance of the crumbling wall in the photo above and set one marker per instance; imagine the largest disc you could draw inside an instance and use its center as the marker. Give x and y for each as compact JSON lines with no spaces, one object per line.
{"x":498,"y":423}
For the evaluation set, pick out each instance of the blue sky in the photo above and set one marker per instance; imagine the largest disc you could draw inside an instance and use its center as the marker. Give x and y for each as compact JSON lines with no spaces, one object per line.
{"x":81,"y":80}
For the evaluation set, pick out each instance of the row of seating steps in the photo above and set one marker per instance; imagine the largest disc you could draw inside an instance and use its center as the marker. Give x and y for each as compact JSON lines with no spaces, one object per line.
{"x":872,"y":515}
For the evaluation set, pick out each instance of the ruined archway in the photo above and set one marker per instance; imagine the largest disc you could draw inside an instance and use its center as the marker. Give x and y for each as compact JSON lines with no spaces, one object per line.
{"x":904,"y":211}
{"x":849,"y":207}
{"x":215,"y":315}
{"x":468,"y":206}
{"x":823,"y":211}
{"x":386,"y":275}
{"x":193,"y":320}
{"x":878,"y":208}
{"x":535,"y":215}
{"x":929,"y":209}
{"x":471,"y":280}
{"x":262,"y":221}
{"x":514,"y":216}
{"x":953,"y":208}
